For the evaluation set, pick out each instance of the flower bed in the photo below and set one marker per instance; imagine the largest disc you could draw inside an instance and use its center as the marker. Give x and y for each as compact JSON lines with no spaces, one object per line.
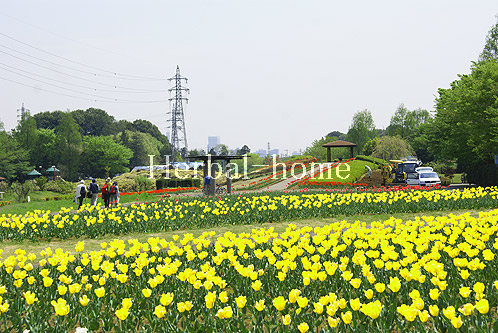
{"x":202,"y":212}
{"x":426,"y":274}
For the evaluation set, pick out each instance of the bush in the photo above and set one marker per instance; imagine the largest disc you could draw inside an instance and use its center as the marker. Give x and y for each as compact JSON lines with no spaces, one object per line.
{"x":445,"y":181}
{"x":371,"y":159}
{"x":59,"y":186}
{"x":22,"y":190}
{"x":41,"y":182}
{"x":4,"y":186}
{"x":176,"y":182}
{"x":142,"y":183}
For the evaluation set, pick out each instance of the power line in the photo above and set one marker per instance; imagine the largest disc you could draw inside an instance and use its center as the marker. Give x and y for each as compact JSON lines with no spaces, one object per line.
{"x":78,"y":85}
{"x":59,"y":35}
{"x":78,"y":97}
{"x":57,"y":86}
{"x":114,"y":74}
{"x":74,"y":76}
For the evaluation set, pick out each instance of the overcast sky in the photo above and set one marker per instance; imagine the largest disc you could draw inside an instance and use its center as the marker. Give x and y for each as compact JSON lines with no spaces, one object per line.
{"x":283,"y":71}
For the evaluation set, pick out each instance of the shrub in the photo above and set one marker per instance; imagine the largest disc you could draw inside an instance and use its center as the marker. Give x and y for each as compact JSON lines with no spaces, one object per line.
{"x":59,"y":186}
{"x":41,"y":182}
{"x":371,"y":159}
{"x":142,"y":183}
{"x":176,"y":182}
{"x":22,"y":190}
{"x":4,"y":186}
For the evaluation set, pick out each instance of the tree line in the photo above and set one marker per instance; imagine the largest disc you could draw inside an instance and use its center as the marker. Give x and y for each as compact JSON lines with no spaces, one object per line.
{"x":79,"y":143}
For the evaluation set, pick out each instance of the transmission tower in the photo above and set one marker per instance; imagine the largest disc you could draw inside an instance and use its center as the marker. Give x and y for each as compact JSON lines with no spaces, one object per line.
{"x":21,"y":113}
{"x":178,"y":133}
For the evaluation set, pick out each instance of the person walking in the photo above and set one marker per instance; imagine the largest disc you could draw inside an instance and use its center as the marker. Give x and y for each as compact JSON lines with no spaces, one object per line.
{"x":114,"y":194}
{"x":106,"y":192}
{"x":80,"y":193}
{"x":94,"y":190}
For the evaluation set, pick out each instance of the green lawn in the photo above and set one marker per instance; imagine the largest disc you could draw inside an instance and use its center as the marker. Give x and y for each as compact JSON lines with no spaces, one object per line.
{"x":9,"y":247}
{"x":357,"y":169}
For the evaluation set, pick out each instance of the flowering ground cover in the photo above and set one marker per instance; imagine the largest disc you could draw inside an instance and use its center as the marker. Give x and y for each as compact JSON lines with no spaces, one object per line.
{"x":197,"y":212}
{"x":426,"y":273}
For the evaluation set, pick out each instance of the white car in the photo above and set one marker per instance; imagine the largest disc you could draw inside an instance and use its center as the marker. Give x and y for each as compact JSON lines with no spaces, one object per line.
{"x":429,"y":178}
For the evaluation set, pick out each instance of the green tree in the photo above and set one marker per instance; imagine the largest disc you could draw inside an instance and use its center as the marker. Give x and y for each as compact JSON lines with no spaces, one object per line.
{"x":466,"y":123}
{"x":490,"y":51}
{"x":317,"y":150}
{"x":222,"y":149}
{"x":143,"y":145}
{"x":48,"y":119}
{"x":95,"y":122}
{"x":244,"y":150}
{"x":25,"y":132}
{"x":370,"y":146}
{"x":102,"y":154}
{"x":392,"y":147}
{"x":406,"y":124}
{"x":44,"y":151}
{"x":13,"y":158}
{"x":338,"y":134}
{"x":362,"y":129}
{"x":69,"y":146}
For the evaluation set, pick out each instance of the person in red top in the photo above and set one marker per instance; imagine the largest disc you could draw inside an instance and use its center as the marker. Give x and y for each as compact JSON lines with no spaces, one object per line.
{"x":106,"y":192}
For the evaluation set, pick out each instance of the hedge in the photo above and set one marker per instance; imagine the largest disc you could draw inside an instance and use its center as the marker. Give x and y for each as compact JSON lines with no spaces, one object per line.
{"x":175,"y":182}
{"x":371,"y":159}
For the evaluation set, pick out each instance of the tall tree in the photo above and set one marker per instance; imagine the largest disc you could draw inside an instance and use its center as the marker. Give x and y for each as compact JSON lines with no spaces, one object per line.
{"x":405,"y":123}
{"x":48,"y":119}
{"x":69,"y":145}
{"x":94,"y":122}
{"x":25,"y":132}
{"x":362,"y":129}
{"x":222,"y":149}
{"x":102,"y":154}
{"x":466,"y":123}
{"x":142,"y":145}
{"x":13,"y":158}
{"x":44,"y":151}
{"x":392,"y":147}
{"x":490,"y":51}
{"x":244,"y":150}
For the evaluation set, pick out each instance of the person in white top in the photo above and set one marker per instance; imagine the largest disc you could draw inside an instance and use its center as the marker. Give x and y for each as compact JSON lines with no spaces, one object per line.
{"x":80,"y":193}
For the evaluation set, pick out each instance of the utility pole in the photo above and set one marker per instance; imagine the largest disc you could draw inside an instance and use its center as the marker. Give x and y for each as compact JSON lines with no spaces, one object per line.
{"x":178,"y":132}
{"x":268,"y":148}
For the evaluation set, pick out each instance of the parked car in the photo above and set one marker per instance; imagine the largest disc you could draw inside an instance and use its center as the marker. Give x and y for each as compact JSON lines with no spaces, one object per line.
{"x":429,"y":178}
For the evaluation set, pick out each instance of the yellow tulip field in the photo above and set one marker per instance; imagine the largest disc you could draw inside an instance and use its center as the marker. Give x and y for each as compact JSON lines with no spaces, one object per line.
{"x":421,"y":274}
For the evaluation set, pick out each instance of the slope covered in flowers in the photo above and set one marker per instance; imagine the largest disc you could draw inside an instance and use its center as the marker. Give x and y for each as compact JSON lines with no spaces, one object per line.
{"x":428,"y":273}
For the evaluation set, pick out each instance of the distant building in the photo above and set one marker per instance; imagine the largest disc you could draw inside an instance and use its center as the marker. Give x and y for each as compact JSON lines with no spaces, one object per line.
{"x":273,"y":152}
{"x":294,"y":153}
{"x":261,"y":152}
{"x":213,"y":141}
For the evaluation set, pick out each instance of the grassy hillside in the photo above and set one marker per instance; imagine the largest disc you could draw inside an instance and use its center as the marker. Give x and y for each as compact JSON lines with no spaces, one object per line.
{"x":357,"y":169}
